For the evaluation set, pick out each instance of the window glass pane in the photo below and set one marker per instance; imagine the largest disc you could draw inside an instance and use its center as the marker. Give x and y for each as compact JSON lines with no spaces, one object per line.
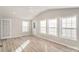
{"x":63,"y":32}
{"x":66,"y":33}
{"x":43,"y":23}
{"x":52,"y":27}
{"x":64,"y":20}
{"x":43,"y":30}
{"x":68,"y":20}
{"x":74,"y":34}
{"x":43,"y":26}
{"x":69,"y":27}
{"x":53,"y":31}
{"x":25,"y":25}
{"x":74,"y":22}
{"x":52,"y":22}
{"x":63,"y":25}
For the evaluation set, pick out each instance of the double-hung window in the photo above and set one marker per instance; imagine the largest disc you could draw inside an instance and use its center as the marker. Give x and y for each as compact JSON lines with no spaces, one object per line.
{"x":52,"y":27}
{"x":68,"y":28}
{"x":43,"y":26}
{"x":25,"y":26}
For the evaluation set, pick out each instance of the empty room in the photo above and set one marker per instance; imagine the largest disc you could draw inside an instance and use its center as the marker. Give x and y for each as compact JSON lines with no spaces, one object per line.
{"x":39,"y":29}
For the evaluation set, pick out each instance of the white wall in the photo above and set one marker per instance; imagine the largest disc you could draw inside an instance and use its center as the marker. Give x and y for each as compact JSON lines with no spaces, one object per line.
{"x":57,"y":13}
{"x":16,"y":27}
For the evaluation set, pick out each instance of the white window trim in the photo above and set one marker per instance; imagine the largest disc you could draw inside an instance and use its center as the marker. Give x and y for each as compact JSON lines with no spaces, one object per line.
{"x":43,"y":27}
{"x":27,"y":26}
{"x":59,"y":28}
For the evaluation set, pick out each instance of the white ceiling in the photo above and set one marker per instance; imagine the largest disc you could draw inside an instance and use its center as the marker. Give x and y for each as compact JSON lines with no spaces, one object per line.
{"x":25,"y":12}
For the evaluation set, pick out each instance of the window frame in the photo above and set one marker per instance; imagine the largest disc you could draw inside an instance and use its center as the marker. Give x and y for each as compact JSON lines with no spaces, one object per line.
{"x":43,"y":27}
{"x":71,"y":29}
{"x":59,"y":28}
{"x":27,"y":26}
{"x":54,"y":28}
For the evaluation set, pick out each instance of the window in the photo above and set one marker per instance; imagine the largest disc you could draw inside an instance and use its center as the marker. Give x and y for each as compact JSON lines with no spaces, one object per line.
{"x":4,"y":28}
{"x":64,"y":27}
{"x":34,"y":25}
{"x":43,"y":26}
{"x":69,"y":27}
{"x":25,"y":26}
{"x":52,"y":27}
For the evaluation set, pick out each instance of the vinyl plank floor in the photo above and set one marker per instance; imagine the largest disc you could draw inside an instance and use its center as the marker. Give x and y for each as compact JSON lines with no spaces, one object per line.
{"x":35,"y":45}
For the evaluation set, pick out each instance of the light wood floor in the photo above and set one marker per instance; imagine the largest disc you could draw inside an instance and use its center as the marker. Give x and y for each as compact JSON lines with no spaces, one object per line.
{"x":35,"y":45}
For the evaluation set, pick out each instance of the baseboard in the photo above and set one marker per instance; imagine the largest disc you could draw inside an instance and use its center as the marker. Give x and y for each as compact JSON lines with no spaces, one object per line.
{"x":74,"y":48}
{"x":13,"y":37}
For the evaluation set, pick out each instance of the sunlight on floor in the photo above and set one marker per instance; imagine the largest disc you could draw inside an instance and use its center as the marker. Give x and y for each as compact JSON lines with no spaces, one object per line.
{"x":19,"y":49}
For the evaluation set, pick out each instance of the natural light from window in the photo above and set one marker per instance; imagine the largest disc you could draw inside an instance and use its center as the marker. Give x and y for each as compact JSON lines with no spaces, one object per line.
{"x":43,"y":26}
{"x":25,"y":26}
{"x":69,"y":27}
{"x":52,"y":27}
{"x":63,"y":27}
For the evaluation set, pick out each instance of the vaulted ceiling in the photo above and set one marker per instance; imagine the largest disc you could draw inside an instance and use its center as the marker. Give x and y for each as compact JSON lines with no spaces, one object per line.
{"x":25,"y":12}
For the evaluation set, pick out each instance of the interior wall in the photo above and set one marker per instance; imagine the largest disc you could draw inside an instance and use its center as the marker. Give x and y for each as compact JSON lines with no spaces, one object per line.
{"x":49,"y":14}
{"x":16,"y":30}
{"x":16,"y":27}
